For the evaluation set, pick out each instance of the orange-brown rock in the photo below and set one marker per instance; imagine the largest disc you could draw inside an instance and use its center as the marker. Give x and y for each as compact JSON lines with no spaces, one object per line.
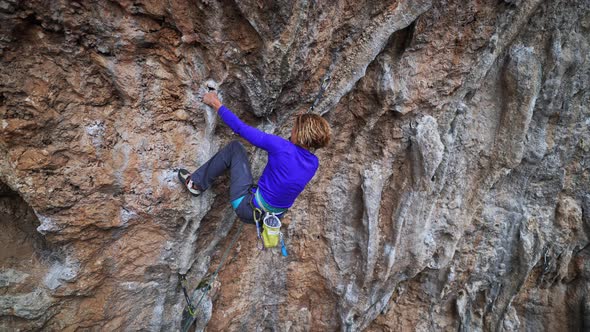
{"x":455,"y":194}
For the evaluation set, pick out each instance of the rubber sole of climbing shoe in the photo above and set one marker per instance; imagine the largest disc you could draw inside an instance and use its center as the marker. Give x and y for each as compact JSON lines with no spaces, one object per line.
{"x":184,"y":178}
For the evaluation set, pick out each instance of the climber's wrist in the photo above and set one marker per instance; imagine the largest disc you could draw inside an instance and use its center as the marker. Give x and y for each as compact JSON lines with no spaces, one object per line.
{"x":217,"y":105}
{"x":211,"y":99}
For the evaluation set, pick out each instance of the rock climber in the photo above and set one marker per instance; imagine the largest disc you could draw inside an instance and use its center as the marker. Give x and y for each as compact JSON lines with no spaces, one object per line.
{"x":291,"y":163}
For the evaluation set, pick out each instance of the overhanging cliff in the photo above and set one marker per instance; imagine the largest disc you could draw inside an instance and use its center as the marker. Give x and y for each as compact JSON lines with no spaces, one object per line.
{"x":455,"y":194}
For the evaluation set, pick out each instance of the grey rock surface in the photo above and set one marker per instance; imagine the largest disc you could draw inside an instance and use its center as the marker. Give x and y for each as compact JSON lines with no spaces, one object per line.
{"x":455,"y":194}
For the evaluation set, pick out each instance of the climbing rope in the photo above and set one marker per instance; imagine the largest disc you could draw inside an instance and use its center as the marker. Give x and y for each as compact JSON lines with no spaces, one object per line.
{"x":192,"y":309}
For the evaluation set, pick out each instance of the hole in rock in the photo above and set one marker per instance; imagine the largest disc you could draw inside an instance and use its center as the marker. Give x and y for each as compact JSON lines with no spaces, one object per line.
{"x":403,"y":39}
{"x":24,"y":263}
{"x":19,"y":237}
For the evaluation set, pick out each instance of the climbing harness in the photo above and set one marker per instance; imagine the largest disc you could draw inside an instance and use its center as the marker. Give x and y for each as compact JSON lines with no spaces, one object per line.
{"x":205,"y":286}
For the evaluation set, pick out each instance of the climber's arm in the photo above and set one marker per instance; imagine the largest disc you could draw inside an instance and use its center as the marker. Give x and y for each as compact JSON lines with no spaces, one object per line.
{"x":258,"y":138}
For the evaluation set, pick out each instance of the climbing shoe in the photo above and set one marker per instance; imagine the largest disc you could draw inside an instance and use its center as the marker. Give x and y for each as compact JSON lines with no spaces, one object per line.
{"x":185,"y":177}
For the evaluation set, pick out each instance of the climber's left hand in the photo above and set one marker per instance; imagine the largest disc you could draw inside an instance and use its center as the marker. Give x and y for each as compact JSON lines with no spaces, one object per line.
{"x":211,"y":99}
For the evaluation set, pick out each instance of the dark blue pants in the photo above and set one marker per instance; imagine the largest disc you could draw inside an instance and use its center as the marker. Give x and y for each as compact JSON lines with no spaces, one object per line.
{"x":235,"y":158}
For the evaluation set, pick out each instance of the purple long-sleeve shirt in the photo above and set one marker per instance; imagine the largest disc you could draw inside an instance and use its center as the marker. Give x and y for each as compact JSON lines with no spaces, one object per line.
{"x":289,"y":167}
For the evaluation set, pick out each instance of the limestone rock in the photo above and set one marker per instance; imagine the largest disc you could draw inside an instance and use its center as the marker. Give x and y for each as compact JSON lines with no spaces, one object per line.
{"x":428,"y":146}
{"x":455,"y":194}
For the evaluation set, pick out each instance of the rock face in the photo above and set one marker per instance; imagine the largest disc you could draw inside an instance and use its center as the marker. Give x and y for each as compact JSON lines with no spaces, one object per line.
{"x":455,"y":194}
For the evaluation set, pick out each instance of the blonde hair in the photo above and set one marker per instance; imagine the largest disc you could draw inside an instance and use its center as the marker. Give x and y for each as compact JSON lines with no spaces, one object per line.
{"x":311,"y":131}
